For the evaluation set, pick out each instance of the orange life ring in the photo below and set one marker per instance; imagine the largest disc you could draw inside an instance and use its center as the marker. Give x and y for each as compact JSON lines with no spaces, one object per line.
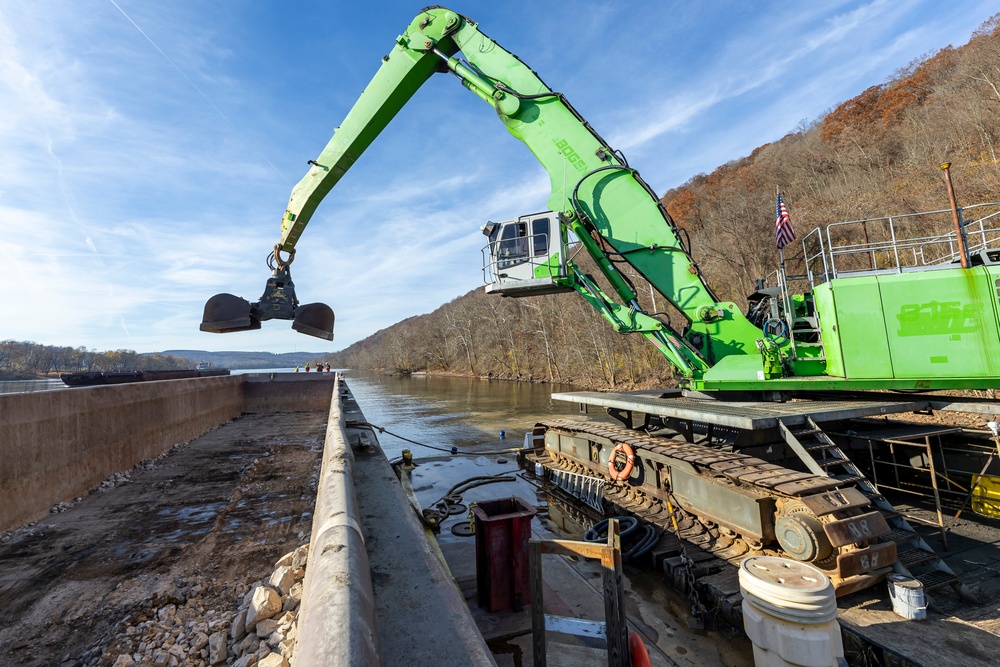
{"x":637,"y":651}
{"x":615,"y":473}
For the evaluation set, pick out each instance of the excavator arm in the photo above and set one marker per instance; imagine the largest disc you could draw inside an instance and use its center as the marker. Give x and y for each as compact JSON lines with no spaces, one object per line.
{"x":598,"y":196}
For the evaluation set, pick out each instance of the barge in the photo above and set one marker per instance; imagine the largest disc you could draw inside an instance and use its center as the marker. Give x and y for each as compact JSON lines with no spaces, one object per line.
{"x":395,"y":592}
{"x":94,"y":378}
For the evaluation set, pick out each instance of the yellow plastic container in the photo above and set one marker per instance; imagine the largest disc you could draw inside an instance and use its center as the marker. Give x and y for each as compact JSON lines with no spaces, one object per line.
{"x":986,"y":496}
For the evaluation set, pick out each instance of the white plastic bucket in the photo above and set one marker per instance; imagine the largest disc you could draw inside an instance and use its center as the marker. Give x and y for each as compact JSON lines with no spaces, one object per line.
{"x":790,"y":613}
{"x":908,"y":597}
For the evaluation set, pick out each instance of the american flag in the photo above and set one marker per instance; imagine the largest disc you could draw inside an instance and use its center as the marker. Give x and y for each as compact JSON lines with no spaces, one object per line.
{"x":783,"y":232}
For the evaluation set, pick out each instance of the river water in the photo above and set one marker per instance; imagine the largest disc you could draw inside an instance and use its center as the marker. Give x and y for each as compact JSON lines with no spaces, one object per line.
{"x":26,"y":386}
{"x":444,"y":411}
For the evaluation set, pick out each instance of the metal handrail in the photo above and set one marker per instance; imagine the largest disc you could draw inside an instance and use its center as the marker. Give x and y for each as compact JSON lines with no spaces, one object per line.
{"x":491,"y":269}
{"x":909,"y":251}
{"x":810,"y":259}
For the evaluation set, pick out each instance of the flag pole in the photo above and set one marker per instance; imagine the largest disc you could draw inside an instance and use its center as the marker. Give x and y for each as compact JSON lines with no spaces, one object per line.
{"x":781,"y":251}
{"x":783,"y":277}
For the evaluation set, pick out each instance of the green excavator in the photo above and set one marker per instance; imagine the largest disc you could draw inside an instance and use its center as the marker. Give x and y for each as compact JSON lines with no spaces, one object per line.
{"x":904,"y":314}
{"x":921,"y":327}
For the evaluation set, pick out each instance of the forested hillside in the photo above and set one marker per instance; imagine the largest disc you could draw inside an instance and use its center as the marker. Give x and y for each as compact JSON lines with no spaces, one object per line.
{"x":25,"y":359}
{"x":240,"y":360}
{"x":877,"y":154}
{"x":874,"y":155}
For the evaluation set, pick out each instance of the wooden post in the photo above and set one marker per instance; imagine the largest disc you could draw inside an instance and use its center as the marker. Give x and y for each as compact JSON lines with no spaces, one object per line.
{"x":614,"y":599}
{"x":537,"y":604}
{"x":614,"y":628}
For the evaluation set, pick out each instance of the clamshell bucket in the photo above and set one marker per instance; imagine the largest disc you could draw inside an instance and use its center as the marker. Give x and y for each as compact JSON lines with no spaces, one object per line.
{"x":225,"y":313}
{"x":314,"y":319}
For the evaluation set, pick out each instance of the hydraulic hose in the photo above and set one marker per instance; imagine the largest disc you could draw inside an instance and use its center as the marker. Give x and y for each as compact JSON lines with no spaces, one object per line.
{"x":600,"y":529}
{"x":648,"y":538}
{"x":382,"y":429}
{"x":440,"y":509}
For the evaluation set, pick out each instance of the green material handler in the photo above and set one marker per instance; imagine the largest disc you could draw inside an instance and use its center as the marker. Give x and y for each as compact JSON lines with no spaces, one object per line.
{"x":926,"y":327}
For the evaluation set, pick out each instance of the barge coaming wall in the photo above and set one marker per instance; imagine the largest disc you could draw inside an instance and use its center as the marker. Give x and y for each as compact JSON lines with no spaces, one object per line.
{"x":58,"y":445}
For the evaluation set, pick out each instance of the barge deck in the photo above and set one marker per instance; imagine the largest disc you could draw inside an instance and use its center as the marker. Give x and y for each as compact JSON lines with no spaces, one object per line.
{"x":233,"y":498}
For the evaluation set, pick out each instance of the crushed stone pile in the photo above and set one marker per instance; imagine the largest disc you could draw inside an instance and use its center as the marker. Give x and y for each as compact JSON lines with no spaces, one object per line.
{"x":175,"y":628}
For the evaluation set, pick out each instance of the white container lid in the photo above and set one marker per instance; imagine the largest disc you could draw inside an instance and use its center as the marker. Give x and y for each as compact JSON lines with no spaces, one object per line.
{"x":788,"y":589}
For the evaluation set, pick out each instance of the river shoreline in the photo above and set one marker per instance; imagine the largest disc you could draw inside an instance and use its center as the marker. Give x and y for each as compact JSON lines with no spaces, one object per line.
{"x":575,"y":386}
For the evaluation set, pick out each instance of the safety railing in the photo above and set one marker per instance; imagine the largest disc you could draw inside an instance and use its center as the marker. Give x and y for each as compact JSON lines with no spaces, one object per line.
{"x":891,"y":244}
{"x":500,"y":256}
{"x":901,"y":243}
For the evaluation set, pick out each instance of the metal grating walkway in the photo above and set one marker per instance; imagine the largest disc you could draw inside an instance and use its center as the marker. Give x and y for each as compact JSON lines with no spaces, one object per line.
{"x":742,"y":415}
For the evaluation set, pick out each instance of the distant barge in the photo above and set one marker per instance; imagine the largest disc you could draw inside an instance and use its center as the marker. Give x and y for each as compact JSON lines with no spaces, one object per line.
{"x":93,"y":378}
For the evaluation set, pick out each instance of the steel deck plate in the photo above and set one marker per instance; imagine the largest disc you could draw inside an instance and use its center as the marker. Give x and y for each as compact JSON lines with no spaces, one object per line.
{"x":742,"y":415}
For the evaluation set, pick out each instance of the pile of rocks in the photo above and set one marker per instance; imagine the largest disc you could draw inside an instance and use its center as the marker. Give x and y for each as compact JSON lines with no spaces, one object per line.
{"x":260,"y":634}
{"x":264,"y":629}
{"x":65,"y":505}
{"x":176,"y":635}
{"x":115,"y":479}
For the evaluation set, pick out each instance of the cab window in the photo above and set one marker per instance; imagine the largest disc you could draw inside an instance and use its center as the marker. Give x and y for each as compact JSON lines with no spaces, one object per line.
{"x":540,"y":236}
{"x":513,"y":245}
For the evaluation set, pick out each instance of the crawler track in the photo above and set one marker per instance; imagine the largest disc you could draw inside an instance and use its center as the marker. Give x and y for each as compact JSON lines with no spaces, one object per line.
{"x":733,"y":505}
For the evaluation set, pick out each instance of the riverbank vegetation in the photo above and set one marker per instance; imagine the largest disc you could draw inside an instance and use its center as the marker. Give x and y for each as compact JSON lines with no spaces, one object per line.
{"x":877,"y":154}
{"x":27,"y":360}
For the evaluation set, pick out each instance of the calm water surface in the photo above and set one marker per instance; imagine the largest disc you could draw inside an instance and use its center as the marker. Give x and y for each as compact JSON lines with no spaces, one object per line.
{"x":445,"y":411}
{"x":24,"y":386}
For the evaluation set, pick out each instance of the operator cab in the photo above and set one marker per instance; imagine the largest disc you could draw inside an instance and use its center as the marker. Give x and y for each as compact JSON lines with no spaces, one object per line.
{"x":526,"y":256}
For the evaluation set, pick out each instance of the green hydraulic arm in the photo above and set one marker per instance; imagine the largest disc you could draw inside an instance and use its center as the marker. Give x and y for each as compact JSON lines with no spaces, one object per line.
{"x":613,"y":212}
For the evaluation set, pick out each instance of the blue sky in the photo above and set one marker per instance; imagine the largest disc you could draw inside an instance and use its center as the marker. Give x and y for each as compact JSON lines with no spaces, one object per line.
{"x":148,"y":149}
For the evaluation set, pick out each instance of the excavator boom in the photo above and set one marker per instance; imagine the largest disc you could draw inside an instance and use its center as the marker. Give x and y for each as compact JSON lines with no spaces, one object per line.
{"x":933,"y":327}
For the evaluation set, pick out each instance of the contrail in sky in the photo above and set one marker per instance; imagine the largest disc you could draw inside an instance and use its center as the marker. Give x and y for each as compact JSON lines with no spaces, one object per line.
{"x":195,"y":86}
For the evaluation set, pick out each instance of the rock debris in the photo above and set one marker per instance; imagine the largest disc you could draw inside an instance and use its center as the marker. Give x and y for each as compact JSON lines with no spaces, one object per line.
{"x":176,"y":629}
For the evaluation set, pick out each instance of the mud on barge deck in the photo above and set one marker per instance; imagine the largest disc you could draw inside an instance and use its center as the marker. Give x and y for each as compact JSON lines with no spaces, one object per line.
{"x":176,"y":513}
